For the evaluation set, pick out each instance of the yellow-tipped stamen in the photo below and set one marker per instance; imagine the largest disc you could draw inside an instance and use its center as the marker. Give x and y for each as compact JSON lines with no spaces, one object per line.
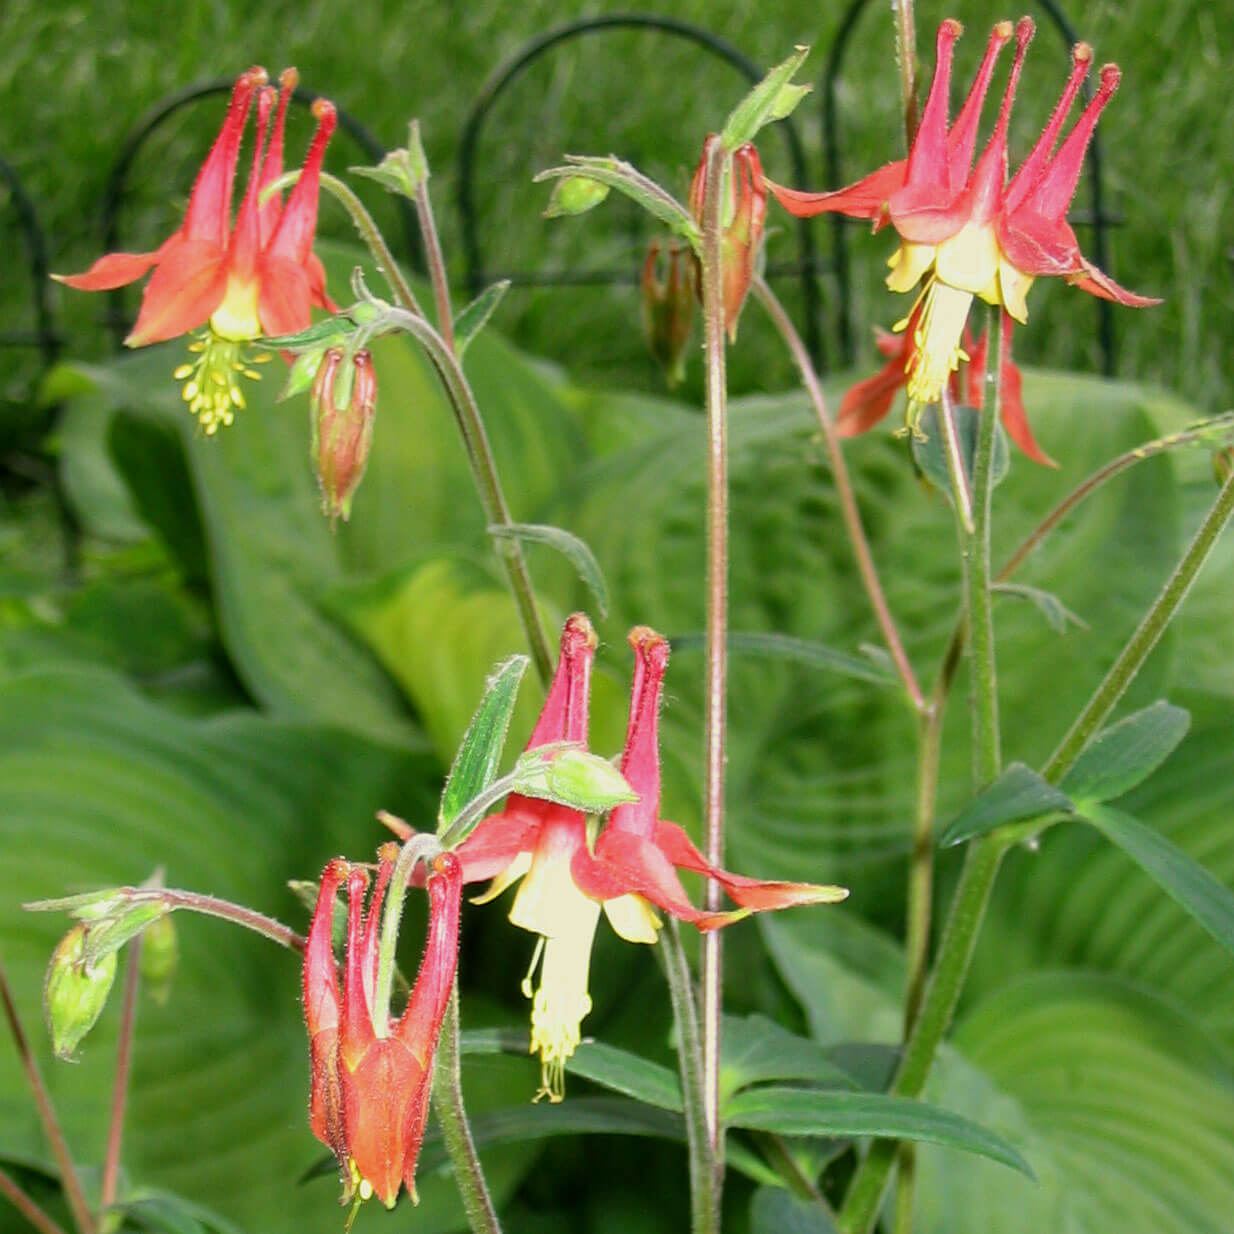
{"x":211,"y":387}
{"x":936,"y":342}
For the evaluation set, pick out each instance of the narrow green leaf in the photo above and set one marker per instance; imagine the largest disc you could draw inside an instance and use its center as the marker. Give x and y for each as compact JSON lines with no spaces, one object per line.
{"x":803,"y":1111}
{"x":930,"y":451}
{"x":774,"y":1210}
{"x":772,"y":99}
{"x":1182,"y":878}
{"x":475,"y":764}
{"x":628,"y":1074}
{"x":756,"y":1050}
{"x":1123,"y":755}
{"x":1049,"y":605}
{"x":472,"y":319}
{"x":1017,"y":796}
{"x":630,"y":181}
{"x":804,"y":651}
{"x":569,"y":546}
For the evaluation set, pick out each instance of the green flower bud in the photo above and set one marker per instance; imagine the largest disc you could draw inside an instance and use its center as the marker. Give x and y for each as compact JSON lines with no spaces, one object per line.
{"x":575,"y":195}
{"x":160,"y":953}
{"x":74,"y":993}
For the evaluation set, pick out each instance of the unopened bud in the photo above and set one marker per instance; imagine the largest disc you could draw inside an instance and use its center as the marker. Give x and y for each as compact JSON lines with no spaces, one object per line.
{"x":75,"y":992}
{"x":343,"y":405}
{"x":575,"y":195}
{"x":572,"y":777}
{"x":668,"y":307}
{"x":160,"y":952}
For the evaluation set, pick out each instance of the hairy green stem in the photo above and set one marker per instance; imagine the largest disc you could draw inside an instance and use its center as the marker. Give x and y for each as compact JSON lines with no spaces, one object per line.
{"x":26,"y":1206}
{"x":704,"y":1197}
{"x":1131,"y":658}
{"x":211,"y":906}
{"x":423,"y":846}
{"x":844,"y":489}
{"x":984,"y":855}
{"x":715,"y":686}
{"x":120,"y":1086}
{"x":70,"y":1181}
{"x":455,"y":1131}
{"x":436,"y":263}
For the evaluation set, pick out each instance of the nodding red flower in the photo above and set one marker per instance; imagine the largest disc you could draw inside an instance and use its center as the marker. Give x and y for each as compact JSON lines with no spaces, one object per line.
{"x":745,"y":212}
{"x":371,"y":1077}
{"x":964,"y":228}
{"x":868,"y":401}
{"x":259,"y":277}
{"x":566,"y":885}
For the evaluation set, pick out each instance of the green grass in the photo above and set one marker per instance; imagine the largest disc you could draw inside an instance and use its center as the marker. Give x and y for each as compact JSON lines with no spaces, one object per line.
{"x":77,"y":76}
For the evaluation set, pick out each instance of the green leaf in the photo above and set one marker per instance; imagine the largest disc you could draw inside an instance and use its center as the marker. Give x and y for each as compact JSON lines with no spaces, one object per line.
{"x":1048,"y":604}
{"x":1019,"y":795}
{"x":570,"y":546}
{"x":1126,"y":753}
{"x":756,"y":1050}
{"x":627,"y":1073}
{"x":629,"y":180}
{"x":1182,"y":878}
{"x":475,"y":764}
{"x":800,"y":650}
{"x":930,"y":450}
{"x":772,"y":99}
{"x":802,"y":1111}
{"x":773,"y":1210}
{"x":472,"y":319}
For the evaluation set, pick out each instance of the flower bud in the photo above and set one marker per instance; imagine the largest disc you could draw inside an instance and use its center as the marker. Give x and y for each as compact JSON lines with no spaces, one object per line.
{"x":160,"y":952}
{"x":575,"y":195}
{"x":668,"y":307}
{"x":343,"y":404}
{"x":74,"y":992}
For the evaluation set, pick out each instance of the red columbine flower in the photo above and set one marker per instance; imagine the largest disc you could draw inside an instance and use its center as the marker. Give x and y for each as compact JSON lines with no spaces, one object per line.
{"x":371,"y":1077}
{"x":745,"y":211}
{"x":867,"y":402}
{"x":565,"y":886}
{"x":972,"y":233}
{"x":258,"y":277}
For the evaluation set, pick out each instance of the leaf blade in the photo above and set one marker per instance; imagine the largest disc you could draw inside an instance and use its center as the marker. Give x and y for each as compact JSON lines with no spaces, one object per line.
{"x":1126,"y":753}
{"x":1018,"y":795}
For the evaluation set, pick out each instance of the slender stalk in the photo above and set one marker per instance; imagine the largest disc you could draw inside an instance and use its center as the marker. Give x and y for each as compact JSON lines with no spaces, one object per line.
{"x":844,"y":489}
{"x":960,"y":488}
{"x":1131,"y":658}
{"x":488,"y":485}
{"x":704,"y":1197}
{"x":715,"y":688}
{"x":69,"y":1178}
{"x":921,"y":860}
{"x":436,"y":263}
{"x":906,"y":58}
{"x":984,"y":855}
{"x":237,"y":914}
{"x":455,"y":1132}
{"x":120,"y":1087}
{"x":422,"y":846}
{"x":26,"y":1206}
{"x":987,"y":750}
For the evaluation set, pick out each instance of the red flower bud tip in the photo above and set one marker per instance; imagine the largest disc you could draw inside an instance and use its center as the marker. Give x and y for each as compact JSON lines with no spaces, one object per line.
{"x":343,"y":405}
{"x":258,"y":277}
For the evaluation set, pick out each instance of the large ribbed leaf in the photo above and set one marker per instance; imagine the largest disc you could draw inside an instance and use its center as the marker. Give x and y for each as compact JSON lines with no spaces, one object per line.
{"x":97,"y":787}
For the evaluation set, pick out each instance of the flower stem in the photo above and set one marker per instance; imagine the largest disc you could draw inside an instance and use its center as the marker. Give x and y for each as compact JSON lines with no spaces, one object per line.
{"x":436,"y":263}
{"x":1131,"y":658}
{"x":715,"y":689}
{"x":69,"y":1178}
{"x":960,"y":488}
{"x":120,"y":1087}
{"x":704,"y":1197}
{"x":210,"y":906}
{"x":844,"y":489}
{"x":455,"y":1132}
{"x":984,"y":855}
{"x":26,"y":1206}
{"x":906,"y":58}
{"x":422,"y":846}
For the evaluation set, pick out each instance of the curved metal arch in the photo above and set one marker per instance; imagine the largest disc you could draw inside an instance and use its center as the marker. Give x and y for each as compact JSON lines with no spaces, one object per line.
{"x":832,"y":175}
{"x":117,"y":179}
{"x":45,"y":337}
{"x":508,"y":71}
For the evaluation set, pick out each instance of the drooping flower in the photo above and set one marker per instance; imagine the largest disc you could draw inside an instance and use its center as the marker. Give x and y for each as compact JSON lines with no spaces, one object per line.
{"x":257,"y":278}
{"x":668,"y":307}
{"x":970,"y":233}
{"x":745,"y":212}
{"x":342,"y":415}
{"x":565,"y":886}
{"x":869,"y":400}
{"x":371,"y":1077}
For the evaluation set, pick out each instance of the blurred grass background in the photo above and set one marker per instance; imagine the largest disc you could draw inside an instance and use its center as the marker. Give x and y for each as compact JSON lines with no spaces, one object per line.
{"x":75,"y":77}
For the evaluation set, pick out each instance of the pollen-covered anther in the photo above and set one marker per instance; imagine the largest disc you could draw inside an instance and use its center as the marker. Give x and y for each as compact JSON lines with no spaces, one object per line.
{"x":937,"y":341}
{"x":211,"y":387}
